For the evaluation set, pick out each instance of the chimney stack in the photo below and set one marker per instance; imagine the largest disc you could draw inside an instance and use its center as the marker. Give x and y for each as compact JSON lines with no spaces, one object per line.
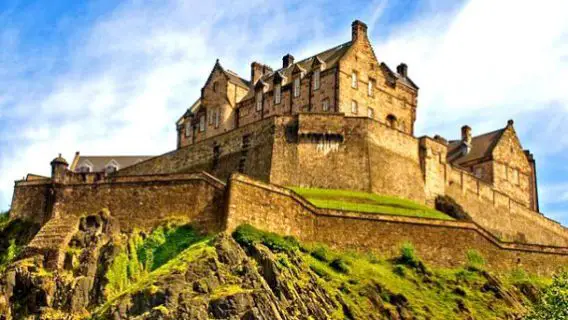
{"x":256,"y":71}
{"x":358,"y":30}
{"x":466,"y":135}
{"x":287,"y":60}
{"x":402,"y":70}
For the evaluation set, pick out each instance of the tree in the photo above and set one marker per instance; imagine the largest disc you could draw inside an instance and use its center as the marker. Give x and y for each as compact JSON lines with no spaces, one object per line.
{"x":553,"y":304}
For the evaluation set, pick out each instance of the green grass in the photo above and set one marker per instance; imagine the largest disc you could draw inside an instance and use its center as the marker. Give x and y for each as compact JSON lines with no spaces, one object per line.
{"x":367,"y":202}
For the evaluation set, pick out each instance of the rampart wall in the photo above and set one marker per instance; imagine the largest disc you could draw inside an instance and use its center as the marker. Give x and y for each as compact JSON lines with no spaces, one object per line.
{"x":443,"y":243}
{"x":136,"y":201}
{"x":495,"y":211}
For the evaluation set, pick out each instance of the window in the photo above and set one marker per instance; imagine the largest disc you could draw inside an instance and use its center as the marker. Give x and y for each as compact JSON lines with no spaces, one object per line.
{"x":516,"y":176}
{"x":111,"y":168}
{"x":216,"y":155}
{"x":259,"y":101}
{"x":354,"y":106}
{"x":391,"y":121}
{"x":325,"y":105}
{"x":210,"y":115}
{"x":188,"y":128}
{"x":354,"y":79}
{"x":215,"y":86}
{"x":217,"y":117}
{"x":202,"y":123}
{"x":370,"y":87}
{"x":316,"y":79}
{"x":84,"y":168}
{"x":478,"y":172}
{"x":371,"y":113}
{"x":277,"y":93}
{"x":297,"y":87}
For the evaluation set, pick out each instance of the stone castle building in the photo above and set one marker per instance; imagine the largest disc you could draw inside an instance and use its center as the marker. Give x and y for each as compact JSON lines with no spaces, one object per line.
{"x":340,"y":119}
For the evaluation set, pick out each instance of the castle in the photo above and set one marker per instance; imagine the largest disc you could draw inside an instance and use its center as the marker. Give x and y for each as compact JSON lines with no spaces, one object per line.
{"x":339,"y":119}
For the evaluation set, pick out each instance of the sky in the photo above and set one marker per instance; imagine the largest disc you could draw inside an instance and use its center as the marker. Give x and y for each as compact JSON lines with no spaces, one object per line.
{"x":112,"y":77}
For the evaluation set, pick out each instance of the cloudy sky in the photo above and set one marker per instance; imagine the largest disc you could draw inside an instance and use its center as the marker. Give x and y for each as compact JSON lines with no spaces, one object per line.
{"x":110,"y":77}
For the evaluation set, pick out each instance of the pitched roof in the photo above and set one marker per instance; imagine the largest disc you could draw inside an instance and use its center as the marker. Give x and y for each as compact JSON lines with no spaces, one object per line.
{"x":481,"y":147}
{"x":98,"y":163}
{"x":329,"y":57}
{"x":236,"y":79}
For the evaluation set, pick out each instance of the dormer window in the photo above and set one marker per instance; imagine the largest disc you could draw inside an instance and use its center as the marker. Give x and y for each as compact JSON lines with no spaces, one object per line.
{"x":277,"y":93}
{"x":316,"y":79}
{"x":111,"y":167}
{"x":202,"y":123}
{"x":188,"y":129}
{"x":354,"y":79}
{"x":85,"y":168}
{"x":259,"y":101}
{"x":297,"y":87}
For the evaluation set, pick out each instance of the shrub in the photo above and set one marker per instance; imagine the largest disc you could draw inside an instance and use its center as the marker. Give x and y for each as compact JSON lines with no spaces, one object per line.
{"x":339,"y":265}
{"x":398,"y":269}
{"x":321,"y":253}
{"x":247,"y":236}
{"x":553,"y":303}
{"x":475,"y":260}
{"x":450,"y":207}
{"x":408,"y":255}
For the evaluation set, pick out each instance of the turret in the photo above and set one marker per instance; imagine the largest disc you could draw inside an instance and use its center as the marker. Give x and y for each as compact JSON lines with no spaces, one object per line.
{"x":58,"y":169}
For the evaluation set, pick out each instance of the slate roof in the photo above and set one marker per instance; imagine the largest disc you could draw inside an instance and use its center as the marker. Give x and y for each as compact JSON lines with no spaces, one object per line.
{"x":481,"y":147}
{"x":99,"y":163}
{"x":329,"y":57}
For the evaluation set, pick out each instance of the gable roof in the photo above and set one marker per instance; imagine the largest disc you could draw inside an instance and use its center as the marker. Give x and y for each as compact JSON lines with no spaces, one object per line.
{"x":98,"y":163}
{"x":232,"y":77}
{"x":329,"y":57}
{"x":481,"y":147}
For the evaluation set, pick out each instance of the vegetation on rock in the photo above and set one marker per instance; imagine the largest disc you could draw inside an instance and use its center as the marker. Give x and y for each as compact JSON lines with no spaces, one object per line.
{"x":367,"y":202}
{"x":449,"y":206}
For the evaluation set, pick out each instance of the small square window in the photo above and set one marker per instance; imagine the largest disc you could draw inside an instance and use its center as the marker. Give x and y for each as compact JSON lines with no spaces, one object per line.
{"x":354,"y":79}
{"x":354,"y":106}
{"x":325,"y":105}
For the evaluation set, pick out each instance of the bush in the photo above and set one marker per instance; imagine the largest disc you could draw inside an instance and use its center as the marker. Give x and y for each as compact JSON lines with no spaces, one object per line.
{"x":247,"y":236}
{"x":450,"y":207}
{"x":398,"y":269}
{"x":475,"y":260}
{"x":321,"y":253}
{"x":408,"y":256}
{"x":339,"y":265}
{"x":553,"y":303}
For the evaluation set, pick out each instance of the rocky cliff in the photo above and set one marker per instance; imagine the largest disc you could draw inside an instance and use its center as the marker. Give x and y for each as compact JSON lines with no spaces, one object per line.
{"x":174,"y":272}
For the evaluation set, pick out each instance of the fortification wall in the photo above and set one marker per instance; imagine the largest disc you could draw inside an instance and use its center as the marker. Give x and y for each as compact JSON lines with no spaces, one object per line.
{"x":493,"y":210}
{"x":201,"y":155}
{"x":136,"y":201}
{"x":31,"y":200}
{"x":443,"y":243}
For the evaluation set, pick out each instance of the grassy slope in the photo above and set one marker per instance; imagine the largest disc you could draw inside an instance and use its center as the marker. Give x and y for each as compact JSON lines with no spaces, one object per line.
{"x":367,"y":202}
{"x":431,"y":293}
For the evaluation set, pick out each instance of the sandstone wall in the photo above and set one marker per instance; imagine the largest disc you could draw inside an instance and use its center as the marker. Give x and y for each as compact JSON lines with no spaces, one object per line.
{"x":200,"y":156}
{"x":136,"y":201}
{"x":31,"y":200}
{"x":443,"y":243}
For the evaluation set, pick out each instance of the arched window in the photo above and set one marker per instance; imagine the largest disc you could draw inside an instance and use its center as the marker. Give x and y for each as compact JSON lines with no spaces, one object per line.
{"x":391,"y":121}
{"x":215,"y":86}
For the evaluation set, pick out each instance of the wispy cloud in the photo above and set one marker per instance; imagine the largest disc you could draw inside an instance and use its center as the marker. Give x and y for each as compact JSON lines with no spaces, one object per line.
{"x":129,"y":74}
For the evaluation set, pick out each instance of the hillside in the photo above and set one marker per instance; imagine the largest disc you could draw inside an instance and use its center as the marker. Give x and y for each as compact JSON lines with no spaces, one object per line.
{"x":173,"y":272}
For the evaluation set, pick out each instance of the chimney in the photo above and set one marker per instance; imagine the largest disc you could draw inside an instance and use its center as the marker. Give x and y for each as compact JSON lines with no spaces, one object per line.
{"x":287,"y":60}
{"x":402,"y":70}
{"x":510,"y":123}
{"x":466,"y":135}
{"x":358,"y":30}
{"x":256,"y":71}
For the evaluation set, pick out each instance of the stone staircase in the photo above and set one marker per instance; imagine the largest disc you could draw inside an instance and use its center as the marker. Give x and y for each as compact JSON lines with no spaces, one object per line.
{"x":52,"y":240}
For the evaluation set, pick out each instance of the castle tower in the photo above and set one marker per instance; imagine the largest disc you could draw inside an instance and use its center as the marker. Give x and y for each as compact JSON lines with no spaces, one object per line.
{"x":58,"y":168}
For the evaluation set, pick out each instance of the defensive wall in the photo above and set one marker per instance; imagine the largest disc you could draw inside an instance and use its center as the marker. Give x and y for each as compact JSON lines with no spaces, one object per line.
{"x":136,"y":201}
{"x":439,"y":242}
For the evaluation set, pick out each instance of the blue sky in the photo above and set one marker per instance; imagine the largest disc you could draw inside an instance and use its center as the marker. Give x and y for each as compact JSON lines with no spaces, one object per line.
{"x":110,"y":77}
